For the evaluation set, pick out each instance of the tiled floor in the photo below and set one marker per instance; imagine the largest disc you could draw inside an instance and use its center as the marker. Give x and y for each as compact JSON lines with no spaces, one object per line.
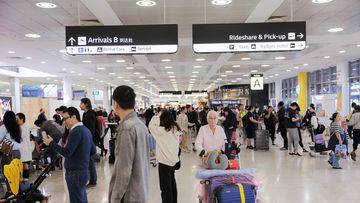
{"x":285,"y":179}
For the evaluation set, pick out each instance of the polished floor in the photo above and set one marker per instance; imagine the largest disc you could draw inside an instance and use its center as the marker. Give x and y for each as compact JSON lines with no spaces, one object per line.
{"x":285,"y":179}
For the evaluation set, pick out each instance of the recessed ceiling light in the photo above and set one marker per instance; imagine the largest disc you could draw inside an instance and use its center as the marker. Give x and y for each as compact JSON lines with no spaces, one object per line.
{"x":55,"y":80}
{"x":223,"y":76}
{"x":219,"y":79}
{"x":195,"y":72}
{"x":172,"y":79}
{"x":11,"y":52}
{"x":233,"y":81}
{"x":171,"y":76}
{"x":86,"y":61}
{"x":326,"y":57}
{"x":288,"y":70}
{"x":142,"y":77}
{"x":321,"y":1}
{"x":236,"y":66}
{"x":79,"y":74}
{"x":336,"y":29}
{"x":28,"y":57}
{"x":265,"y":65}
{"x":276,"y":74}
{"x":111,"y":73}
{"x":72,"y":72}
{"x":238,"y":78}
{"x":197,"y":66}
{"x":271,"y":76}
{"x":63,"y":69}
{"x":342,"y":51}
{"x":296,"y":67}
{"x":246,"y":75}
{"x":32,"y":35}
{"x":129,"y":68}
{"x":305,"y":64}
{"x":146,"y":3}
{"x":228,"y":71}
{"x":170,"y":72}
{"x":100,"y":68}
{"x":192,"y":79}
{"x":194,"y":76}
{"x":221,"y":2}
{"x":73,"y":84}
{"x":168,"y":67}
{"x":91,"y":78}
{"x":246,"y":59}
{"x":165,"y":60}
{"x":120,"y":61}
{"x":126,"y":80}
{"x":136,"y":73}
{"x":43,"y":62}
{"x":119,"y":77}
{"x":45,"y":5}
{"x":62,"y":51}
{"x":358,"y":45}
{"x":266,"y":78}
{"x":280,"y":57}
{"x":132,"y":83}
{"x":146,"y":80}
{"x":200,"y":59}
{"x":253,"y":71}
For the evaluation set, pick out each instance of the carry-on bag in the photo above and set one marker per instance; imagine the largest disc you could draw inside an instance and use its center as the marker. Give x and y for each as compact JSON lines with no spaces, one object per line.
{"x":232,"y":193}
{"x":262,"y":140}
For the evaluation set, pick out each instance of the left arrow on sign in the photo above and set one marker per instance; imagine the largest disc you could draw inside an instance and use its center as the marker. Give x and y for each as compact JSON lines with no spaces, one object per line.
{"x":72,"y":40}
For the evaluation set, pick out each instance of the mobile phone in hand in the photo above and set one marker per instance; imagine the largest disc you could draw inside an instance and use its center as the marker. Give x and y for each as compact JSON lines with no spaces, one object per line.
{"x":44,"y":135}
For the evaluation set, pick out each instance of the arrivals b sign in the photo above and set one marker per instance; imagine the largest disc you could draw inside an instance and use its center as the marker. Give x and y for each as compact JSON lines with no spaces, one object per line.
{"x":257,"y":82}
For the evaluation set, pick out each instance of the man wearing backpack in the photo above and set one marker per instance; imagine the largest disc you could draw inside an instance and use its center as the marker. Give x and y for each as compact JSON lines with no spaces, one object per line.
{"x":90,"y":121}
{"x":310,"y":121}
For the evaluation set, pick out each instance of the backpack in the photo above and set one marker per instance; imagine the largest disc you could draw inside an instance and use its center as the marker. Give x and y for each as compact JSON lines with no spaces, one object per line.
{"x":98,"y":130}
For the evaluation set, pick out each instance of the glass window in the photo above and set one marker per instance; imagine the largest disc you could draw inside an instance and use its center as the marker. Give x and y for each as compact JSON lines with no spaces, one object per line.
{"x":325,"y":75}
{"x":318,"y":76}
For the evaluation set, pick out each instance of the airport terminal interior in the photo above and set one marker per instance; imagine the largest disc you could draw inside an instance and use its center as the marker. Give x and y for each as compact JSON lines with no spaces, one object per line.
{"x":266,"y":95}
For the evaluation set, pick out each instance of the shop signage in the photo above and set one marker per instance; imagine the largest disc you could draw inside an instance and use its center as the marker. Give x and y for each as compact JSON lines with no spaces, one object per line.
{"x":125,"y":39}
{"x":169,"y":93}
{"x":257,"y":82}
{"x":249,"y":37}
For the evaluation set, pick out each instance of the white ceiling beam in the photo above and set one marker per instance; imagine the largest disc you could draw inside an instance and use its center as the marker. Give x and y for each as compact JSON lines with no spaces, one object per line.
{"x":102,"y":10}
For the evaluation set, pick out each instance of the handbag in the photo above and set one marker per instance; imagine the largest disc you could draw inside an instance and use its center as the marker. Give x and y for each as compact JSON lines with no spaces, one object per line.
{"x":341,"y":151}
{"x":233,"y":165}
{"x":6,"y":146}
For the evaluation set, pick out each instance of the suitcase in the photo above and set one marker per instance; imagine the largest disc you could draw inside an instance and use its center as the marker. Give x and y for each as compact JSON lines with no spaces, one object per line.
{"x":262,"y":140}
{"x":241,"y":193}
{"x":112,"y":151}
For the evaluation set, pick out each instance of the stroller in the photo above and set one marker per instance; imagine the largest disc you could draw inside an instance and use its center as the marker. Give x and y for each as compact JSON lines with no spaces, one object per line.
{"x":320,"y":145}
{"x":23,"y":191}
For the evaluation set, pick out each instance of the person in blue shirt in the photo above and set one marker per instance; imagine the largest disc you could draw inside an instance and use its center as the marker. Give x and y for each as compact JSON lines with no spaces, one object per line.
{"x":77,"y":151}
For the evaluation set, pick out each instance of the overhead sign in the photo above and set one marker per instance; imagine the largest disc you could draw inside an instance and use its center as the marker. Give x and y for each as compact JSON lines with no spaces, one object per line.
{"x":257,"y":82}
{"x":125,"y":39}
{"x":169,"y":93}
{"x":249,"y":37}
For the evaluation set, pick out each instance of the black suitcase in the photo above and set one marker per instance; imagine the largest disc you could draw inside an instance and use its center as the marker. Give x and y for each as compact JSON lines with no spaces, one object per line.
{"x":112,"y":151}
{"x":262,"y":140}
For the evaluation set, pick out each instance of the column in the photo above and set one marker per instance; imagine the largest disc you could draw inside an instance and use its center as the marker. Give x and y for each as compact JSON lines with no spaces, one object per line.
{"x":278,"y":90}
{"x":343,"y":89}
{"x":67,"y":91}
{"x":302,"y":93}
{"x":15,"y":91}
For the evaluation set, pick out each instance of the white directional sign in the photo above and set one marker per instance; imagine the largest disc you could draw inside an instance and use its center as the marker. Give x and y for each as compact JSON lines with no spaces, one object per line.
{"x":249,"y":37}
{"x":257,"y":82}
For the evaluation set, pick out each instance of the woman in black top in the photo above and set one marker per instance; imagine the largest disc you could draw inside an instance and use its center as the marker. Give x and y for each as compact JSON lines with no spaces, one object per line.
{"x":230,"y":123}
{"x":250,"y":127}
{"x":270,"y":121}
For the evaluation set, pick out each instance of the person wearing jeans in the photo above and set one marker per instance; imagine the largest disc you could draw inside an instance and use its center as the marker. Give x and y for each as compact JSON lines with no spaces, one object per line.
{"x":337,"y":137}
{"x":77,"y":152}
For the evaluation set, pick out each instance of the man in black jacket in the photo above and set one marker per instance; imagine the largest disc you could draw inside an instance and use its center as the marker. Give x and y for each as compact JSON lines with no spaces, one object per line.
{"x":282,"y":124}
{"x":90,"y":121}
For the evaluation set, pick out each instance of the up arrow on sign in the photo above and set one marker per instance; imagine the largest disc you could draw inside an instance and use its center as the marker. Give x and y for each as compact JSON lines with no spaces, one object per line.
{"x":72,"y":40}
{"x":257,"y":82}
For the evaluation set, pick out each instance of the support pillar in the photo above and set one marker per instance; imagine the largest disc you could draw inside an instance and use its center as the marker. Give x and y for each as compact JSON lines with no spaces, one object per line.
{"x":15,"y":91}
{"x":68,"y":93}
{"x":302,"y":93}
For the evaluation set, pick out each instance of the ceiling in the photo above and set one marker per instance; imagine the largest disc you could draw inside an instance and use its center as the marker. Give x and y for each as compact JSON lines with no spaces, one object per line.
{"x":149,"y":73}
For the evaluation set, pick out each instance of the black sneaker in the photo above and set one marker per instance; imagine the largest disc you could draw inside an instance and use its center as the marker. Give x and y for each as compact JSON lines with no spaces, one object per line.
{"x":330,"y":162}
{"x":353,"y":156}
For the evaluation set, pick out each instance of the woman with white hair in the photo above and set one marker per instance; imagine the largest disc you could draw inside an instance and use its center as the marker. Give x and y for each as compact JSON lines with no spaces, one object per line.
{"x":211,"y":136}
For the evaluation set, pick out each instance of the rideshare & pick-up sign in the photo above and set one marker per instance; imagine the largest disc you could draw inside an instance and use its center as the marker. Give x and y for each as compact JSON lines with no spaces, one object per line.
{"x":249,"y":37}
{"x":125,"y":39}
